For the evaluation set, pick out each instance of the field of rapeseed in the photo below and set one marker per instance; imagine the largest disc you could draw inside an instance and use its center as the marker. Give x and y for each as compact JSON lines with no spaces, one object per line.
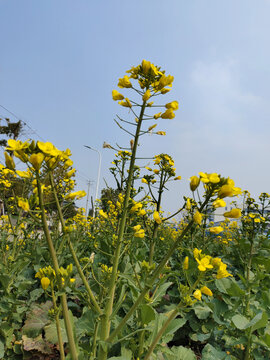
{"x":129,"y":283}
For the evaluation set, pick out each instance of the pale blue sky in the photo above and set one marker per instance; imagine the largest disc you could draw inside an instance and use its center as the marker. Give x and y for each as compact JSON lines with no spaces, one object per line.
{"x":61,"y":59}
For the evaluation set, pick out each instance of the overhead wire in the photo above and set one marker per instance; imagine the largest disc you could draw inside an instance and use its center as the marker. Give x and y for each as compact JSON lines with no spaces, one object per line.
{"x":79,"y":172}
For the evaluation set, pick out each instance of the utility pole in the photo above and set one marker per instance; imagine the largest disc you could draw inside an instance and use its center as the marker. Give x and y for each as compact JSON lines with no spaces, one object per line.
{"x":89,"y":183}
{"x":98,"y":176}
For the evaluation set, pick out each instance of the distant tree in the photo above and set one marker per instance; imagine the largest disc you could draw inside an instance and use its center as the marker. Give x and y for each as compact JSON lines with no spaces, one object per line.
{"x":108,"y":194}
{"x":11,"y":130}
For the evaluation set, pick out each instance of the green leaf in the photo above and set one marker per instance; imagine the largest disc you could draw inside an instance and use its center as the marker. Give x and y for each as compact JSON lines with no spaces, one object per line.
{"x":230,"y":287}
{"x":266,"y":339}
{"x":174,"y":326}
{"x":240,"y":321}
{"x":200,"y":337}
{"x":259,"y":321}
{"x":85,"y":324}
{"x":161,"y":291}
{"x":147,"y":314}
{"x":51,"y":332}
{"x":125,"y":355}
{"x":202,"y":311}
{"x":181,"y":353}
{"x":2,"y":349}
{"x":6,"y":330}
{"x":211,"y":353}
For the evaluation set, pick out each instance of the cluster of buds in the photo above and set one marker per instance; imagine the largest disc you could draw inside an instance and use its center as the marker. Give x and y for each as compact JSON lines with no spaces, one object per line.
{"x":48,"y":276}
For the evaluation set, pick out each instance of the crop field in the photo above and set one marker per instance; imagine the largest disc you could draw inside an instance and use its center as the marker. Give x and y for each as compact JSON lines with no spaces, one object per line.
{"x":127,"y":281}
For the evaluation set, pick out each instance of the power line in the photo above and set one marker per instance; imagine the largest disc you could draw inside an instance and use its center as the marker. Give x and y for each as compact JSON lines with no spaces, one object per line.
{"x":80,"y":173}
{"x":24,"y":122}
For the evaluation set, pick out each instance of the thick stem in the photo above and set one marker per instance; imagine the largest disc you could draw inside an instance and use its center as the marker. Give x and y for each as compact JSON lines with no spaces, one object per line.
{"x":154,"y":277}
{"x":78,"y":266}
{"x":160,"y":333}
{"x":58,"y":328}
{"x":105,"y":321}
{"x":71,"y":342}
{"x":155,"y":230}
{"x":247,"y":310}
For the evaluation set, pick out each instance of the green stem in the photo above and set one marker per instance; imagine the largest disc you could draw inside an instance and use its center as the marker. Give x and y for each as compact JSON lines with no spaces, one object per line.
{"x":155,"y":230}
{"x":161,"y":332}
{"x":72,"y":346}
{"x":248,"y":347}
{"x":75,"y":258}
{"x":141,"y":343}
{"x":154,"y":276}
{"x":105,"y":320}
{"x":58,"y":328}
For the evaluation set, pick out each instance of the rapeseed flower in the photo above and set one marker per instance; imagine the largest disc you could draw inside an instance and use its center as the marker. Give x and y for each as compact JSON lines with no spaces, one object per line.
{"x":206,"y":291}
{"x":157,"y":217}
{"x":233,"y":214}
{"x":117,"y":96}
{"x":194,"y":182}
{"x":197,"y":294}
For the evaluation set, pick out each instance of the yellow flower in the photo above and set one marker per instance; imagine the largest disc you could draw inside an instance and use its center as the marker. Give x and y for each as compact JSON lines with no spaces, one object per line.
{"x":197,"y":218}
{"x":152,"y":127}
{"x":24,"y":174}
{"x":225,"y":190}
{"x":16,"y":145}
{"x":157,"y":217}
{"x":36,"y":160}
{"x":216,"y":262}
{"x":144,"y":181}
{"x":75,"y":195}
{"x":45,"y":282}
{"x":185,"y":263}
{"x":233,"y":214}
{"x":146,"y":66}
{"x":48,"y":148}
{"x":206,"y":291}
{"x":168,"y":114}
{"x":222,"y":272}
{"x":219,"y":203}
{"x":216,"y":229}
{"x":23,"y":203}
{"x":197,"y":253}
{"x":146,"y":95}
{"x":136,"y":207}
{"x":139,"y":234}
{"x":72,"y":280}
{"x":117,"y":96}
{"x":214,"y":178}
{"x":103,"y":214}
{"x":136,"y":227}
{"x":197,"y":294}
{"x":161,"y":133}
{"x":172,"y":105}
{"x":156,"y":116}
{"x":9,"y":162}
{"x":70,"y":173}
{"x":124,"y":82}
{"x":194,"y":183}
{"x":142,"y":212}
{"x":126,"y":103}
{"x":204,"y":263}
{"x":164,"y":81}
{"x":164,"y":91}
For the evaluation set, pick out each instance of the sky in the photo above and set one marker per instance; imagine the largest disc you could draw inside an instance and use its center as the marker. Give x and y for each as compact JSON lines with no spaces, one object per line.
{"x":61,"y":59}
